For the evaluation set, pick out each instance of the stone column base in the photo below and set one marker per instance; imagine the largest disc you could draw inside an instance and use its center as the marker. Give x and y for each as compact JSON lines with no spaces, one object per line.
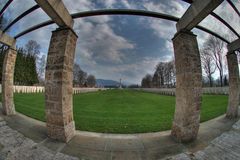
{"x":184,"y":133}
{"x":63,"y":133}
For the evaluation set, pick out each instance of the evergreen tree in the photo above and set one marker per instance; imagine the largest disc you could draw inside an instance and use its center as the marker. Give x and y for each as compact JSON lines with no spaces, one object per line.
{"x":2,"y":22}
{"x":225,"y":81}
{"x":2,"y":54}
{"x":25,"y":68}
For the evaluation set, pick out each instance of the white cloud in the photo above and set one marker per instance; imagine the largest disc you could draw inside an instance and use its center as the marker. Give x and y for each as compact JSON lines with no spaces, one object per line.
{"x":42,"y":36}
{"x":36,"y":17}
{"x":80,"y":5}
{"x":229,"y":15}
{"x":101,"y":50}
{"x":162,"y":28}
{"x":109,"y":3}
{"x":169,"y":46}
{"x":17,"y":7}
{"x":212,"y":24}
{"x":132,"y":73}
{"x":98,"y":42}
{"x":201,"y":37}
{"x":171,"y":7}
{"x":126,"y":4}
{"x":136,"y":71}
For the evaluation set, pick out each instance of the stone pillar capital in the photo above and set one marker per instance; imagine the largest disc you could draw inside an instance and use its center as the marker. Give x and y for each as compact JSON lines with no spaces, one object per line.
{"x":183,"y":32}
{"x":67,"y":29}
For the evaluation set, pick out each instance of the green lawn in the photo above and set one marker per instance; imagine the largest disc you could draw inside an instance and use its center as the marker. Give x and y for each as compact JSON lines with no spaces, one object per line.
{"x":121,"y":111}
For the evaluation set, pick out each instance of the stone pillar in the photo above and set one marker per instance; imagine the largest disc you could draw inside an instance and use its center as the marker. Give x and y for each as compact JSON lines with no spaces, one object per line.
{"x":188,"y":87}
{"x":7,"y":81}
{"x":58,"y":85}
{"x":233,"y":99}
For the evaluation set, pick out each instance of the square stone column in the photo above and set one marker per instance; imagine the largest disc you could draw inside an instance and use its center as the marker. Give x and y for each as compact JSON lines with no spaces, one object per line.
{"x":233,"y":98}
{"x":188,"y":87}
{"x":7,"y":81}
{"x":58,"y":84}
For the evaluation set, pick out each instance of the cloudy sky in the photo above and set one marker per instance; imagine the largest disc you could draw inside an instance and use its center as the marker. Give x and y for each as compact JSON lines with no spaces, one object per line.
{"x":114,"y":47}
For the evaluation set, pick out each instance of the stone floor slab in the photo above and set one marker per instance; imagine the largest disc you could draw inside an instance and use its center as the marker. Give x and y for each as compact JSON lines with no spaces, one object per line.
{"x":15,"y":146}
{"x":124,"y":145}
{"x":224,"y":147}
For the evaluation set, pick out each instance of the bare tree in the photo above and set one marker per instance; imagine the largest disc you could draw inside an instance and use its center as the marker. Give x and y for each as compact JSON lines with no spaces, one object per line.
{"x":156,"y":80}
{"x":169,"y":73}
{"x":215,"y":47}
{"x":160,"y":69}
{"x":79,"y":76}
{"x":91,"y":81}
{"x":76,"y":70}
{"x":82,"y":78}
{"x":208,"y":65}
{"x":165,"y":74}
{"x":147,"y":81}
{"x":33,"y":48}
{"x":41,"y":67}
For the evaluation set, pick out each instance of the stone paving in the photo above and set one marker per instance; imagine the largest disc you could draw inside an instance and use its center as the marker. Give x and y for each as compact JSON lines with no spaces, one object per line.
{"x":224,"y":147}
{"x":23,"y":138}
{"x":15,"y":146}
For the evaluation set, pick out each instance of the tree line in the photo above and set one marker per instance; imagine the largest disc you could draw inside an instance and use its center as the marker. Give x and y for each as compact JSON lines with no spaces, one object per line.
{"x":164,"y":76}
{"x":212,"y":58}
{"x":81,"y":78}
{"x":30,"y":67}
{"x":25,"y":72}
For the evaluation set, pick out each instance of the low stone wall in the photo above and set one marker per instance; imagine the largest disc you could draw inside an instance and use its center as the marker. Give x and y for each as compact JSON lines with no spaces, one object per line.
{"x":41,"y":89}
{"x":171,"y":91}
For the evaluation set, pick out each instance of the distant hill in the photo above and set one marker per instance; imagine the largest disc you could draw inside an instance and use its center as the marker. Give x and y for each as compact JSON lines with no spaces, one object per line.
{"x":107,"y":83}
{"x":110,"y":83}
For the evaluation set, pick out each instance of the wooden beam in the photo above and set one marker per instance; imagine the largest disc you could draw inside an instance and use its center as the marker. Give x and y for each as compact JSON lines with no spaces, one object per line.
{"x":57,"y":11}
{"x":198,"y":10}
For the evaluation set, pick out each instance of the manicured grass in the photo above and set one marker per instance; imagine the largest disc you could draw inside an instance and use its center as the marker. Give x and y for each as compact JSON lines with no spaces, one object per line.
{"x":121,"y":111}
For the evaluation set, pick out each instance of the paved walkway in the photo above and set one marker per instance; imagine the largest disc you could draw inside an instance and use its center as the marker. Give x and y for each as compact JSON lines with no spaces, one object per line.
{"x":15,"y":146}
{"x":224,"y":147}
{"x":23,"y":138}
